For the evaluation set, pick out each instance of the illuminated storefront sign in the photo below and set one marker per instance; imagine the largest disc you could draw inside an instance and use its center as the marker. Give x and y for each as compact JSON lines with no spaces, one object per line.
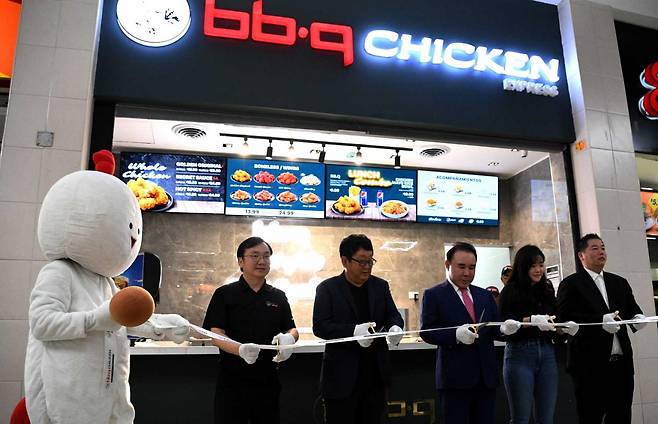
{"x":10,"y":10}
{"x":158,"y":23}
{"x":390,"y":44}
{"x":648,"y":103}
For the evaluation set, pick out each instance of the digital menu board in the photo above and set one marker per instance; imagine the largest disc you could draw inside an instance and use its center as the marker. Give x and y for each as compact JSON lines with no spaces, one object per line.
{"x":272,"y":188}
{"x":384,"y":194}
{"x":449,"y":198}
{"x":175,"y":183}
{"x":650,"y":209}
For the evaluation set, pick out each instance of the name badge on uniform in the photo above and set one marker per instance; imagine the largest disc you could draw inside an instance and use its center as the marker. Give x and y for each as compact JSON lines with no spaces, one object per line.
{"x":271,"y":304}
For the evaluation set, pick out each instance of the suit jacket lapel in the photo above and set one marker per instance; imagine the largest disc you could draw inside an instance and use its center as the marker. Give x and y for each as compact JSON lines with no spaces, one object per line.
{"x":478,"y":304}
{"x":610,"y":290}
{"x":592,"y":291}
{"x":371,"y":302}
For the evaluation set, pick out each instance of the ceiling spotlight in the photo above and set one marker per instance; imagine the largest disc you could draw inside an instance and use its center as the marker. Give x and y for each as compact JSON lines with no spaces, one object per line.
{"x":524,"y":153}
{"x":397,"y":159}
{"x":245,"y":148}
{"x":358,"y":158}
{"x":492,"y":164}
{"x":322,"y":155}
{"x":514,"y":150}
{"x":268,"y":155}
{"x":291,"y":151}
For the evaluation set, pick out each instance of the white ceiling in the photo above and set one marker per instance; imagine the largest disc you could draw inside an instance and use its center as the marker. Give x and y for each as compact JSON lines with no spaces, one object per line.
{"x":159,"y":135}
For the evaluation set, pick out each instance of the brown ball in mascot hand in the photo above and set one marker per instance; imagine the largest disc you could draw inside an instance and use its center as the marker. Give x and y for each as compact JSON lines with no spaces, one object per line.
{"x":132,"y":306}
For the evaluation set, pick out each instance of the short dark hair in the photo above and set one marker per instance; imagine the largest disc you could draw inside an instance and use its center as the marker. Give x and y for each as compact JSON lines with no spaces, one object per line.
{"x":583,"y":242}
{"x":493,"y":290}
{"x":352,"y":243}
{"x":251,"y":242}
{"x":461,"y":246}
{"x":507,"y":269}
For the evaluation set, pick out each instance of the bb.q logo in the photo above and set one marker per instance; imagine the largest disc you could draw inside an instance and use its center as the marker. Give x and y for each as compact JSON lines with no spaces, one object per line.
{"x":648,"y":103}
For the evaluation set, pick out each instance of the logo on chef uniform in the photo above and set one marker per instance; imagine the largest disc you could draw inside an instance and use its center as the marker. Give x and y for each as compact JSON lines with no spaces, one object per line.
{"x":154,"y":23}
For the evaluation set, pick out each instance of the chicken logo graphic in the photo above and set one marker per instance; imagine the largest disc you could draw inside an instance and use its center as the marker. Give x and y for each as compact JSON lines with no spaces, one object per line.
{"x":154,"y":23}
{"x":648,"y":103}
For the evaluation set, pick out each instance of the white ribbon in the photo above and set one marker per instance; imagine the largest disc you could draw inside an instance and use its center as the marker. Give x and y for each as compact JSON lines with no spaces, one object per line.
{"x":406,"y":333}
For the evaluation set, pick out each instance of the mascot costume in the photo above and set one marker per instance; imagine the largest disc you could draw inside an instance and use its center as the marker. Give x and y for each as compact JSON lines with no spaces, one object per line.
{"x":78,"y":357}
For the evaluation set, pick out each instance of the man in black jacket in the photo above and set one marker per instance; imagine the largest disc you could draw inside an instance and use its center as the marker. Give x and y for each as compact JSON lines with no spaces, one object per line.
{"x":355,"y":375}
{"x":600,"y":357}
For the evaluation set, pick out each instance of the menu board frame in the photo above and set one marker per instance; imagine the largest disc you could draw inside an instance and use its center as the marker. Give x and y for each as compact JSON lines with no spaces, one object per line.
{"x":188,"y":175}
{"x":281,"y":186}
{"x":456,"y":220}
{"x":377,"y":200}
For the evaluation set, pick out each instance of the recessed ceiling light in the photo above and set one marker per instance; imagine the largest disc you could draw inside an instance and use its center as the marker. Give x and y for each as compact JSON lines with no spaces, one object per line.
{"x":493,"y":164}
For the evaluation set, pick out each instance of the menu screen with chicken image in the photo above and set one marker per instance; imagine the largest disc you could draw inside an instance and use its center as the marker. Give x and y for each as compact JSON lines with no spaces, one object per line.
{"x":448,"y":198}
{"x":274,"y":188}
{"x":359,"y":192}
{"x":175,"y":183}
{"x":650,"y":208}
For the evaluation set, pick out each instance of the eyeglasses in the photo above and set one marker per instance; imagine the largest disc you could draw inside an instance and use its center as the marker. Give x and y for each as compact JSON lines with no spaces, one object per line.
{"x":257,"y":258}
{"x":366,"y":263}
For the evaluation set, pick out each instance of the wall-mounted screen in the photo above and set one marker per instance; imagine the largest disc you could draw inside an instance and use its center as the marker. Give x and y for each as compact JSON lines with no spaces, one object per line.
{"x":449,"y":198}
{"x":361,"y":192}
{"x":273,"y":188}
{"x":175,"y":183}
{"x":650,"y":208}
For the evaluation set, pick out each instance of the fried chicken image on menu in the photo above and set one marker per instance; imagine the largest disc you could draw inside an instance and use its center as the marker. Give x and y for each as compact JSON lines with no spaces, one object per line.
{"x":149,"y":195}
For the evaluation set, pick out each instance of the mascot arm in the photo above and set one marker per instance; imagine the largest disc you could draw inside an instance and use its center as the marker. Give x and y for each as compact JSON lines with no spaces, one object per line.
{"x":50,"y":301}
{"x":163,"y":326}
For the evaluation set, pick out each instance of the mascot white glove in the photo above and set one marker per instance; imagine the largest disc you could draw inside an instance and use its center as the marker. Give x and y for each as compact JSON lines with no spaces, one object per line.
{"x":570,"y":328}
{"x":172,"y":326}
{"x":282,"y":339}
{"x":394,"y":339}
{"x":465,"y":335}
{"x":639,"y":325}
{"x":363,"y":330}
{"x":101,"y":320}
{"x":542,"y":322}
{"x":249,"y":352}
{"x":510,"y":327}
{"x":609,"y":324}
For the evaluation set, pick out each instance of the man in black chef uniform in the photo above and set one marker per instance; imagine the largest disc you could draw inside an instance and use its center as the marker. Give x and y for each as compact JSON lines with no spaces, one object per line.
{"x":355,"y":375}
{"x":250,"y":312}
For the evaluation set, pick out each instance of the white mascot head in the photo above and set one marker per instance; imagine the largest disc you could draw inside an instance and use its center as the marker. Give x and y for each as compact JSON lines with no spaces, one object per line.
{"x":93,"y":219}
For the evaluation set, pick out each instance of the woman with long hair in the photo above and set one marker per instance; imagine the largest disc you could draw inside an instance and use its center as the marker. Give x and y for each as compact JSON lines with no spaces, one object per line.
{"x":530,"y":369}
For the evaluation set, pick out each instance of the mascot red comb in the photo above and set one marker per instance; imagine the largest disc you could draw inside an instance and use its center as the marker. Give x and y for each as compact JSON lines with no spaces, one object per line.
{"x":78,"y":356}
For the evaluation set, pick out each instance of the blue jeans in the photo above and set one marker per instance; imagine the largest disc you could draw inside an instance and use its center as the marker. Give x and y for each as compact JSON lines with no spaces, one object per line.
{"x":531,"y":377}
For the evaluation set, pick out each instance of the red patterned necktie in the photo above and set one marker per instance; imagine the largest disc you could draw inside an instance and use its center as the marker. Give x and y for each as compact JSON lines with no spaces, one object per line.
{"x":468,"y":303}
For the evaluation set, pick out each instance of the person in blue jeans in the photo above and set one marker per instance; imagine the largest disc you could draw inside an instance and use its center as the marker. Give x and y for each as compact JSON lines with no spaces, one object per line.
{"x":530,"y":369}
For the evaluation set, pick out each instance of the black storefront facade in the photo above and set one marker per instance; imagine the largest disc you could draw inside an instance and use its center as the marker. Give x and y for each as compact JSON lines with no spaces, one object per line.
{"x":471,"y":72}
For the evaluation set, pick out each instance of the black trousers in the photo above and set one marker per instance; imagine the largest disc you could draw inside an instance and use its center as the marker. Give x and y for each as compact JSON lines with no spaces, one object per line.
{"x":247,"y":402}
{"x":468,"y":406}
{"x":607,"y":393}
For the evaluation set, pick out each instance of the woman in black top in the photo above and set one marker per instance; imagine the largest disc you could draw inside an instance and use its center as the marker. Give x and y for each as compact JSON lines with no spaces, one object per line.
{"x":530,"y":369}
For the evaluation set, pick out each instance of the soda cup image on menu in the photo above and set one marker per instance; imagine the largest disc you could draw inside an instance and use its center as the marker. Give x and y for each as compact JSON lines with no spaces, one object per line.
{"x":364,"y":199}
{"x":354,"y":192}
{"x":380,"y":198}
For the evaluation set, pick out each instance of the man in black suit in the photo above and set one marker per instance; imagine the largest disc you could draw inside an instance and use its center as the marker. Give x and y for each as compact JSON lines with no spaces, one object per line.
{"x":600,"y":358}
{"x":355,"y":375}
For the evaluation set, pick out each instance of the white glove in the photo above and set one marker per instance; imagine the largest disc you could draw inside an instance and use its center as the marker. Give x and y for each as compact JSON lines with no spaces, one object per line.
{"x":282,"y":340}
{"x":542,"y":322}
{"x":101,"y":320}
{"x":510,"y":327}
{"x":465,"y":335}
{"x":363,"y":330}
{"x":570,"y":328}
{"x":394,"y":339}
{"x":172,"y":327}
{"x":249,"y":352}
{"x":609,"y":322}
{"x":639,"y":325}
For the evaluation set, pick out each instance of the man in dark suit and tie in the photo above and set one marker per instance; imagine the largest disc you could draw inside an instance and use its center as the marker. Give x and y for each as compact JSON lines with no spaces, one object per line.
{"x":600,"y":358}
{"x":355,"y":375}
{"x":466,"y":366}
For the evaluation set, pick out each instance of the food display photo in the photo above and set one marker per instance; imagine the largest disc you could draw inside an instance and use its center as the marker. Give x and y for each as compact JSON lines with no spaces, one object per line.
{"x":382,"y":194}
{"x":275,"y":188}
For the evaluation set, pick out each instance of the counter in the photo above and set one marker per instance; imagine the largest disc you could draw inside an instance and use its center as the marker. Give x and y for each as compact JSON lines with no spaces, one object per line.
{"x":176,"y":384}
